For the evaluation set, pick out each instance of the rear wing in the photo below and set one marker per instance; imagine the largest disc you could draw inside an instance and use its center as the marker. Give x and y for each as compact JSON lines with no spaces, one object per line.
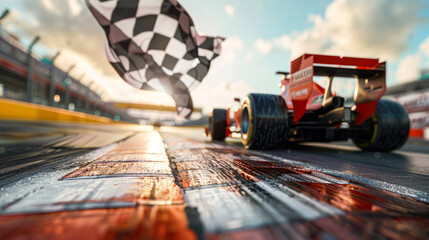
{"x":369,"y":73}
{"x":343,"y":71}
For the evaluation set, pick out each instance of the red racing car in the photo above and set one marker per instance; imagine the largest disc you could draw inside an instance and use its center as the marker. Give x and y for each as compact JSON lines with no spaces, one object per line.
{"x":305,"y":111}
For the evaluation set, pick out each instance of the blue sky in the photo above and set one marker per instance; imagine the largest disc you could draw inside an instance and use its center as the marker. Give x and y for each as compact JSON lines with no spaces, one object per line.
{"x":262,"y":37}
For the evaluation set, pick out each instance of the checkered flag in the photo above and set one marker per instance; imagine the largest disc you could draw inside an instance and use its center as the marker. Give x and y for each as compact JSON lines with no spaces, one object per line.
{"x":153,"y":45}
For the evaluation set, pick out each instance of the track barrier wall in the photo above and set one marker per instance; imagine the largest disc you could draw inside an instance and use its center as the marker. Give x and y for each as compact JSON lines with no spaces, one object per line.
{"x":12,"y":109}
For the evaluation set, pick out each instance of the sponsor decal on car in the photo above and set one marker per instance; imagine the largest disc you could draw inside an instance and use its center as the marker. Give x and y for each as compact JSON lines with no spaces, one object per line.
{"x":301,"y":76}
{"x":300,"y":92}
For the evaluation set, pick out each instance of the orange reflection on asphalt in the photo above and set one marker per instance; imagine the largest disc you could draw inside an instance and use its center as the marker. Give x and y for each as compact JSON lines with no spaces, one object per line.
{"x":352,"y":197}
{"x":348,"y":227}
{"x":142,"y":222}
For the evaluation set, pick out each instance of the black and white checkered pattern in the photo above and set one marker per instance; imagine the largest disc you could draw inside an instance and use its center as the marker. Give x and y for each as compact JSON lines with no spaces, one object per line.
{"x":153,"y":45}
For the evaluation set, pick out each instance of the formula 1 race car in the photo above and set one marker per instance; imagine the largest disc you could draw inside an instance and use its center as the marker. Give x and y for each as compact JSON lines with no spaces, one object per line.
{"x":305,"y":111}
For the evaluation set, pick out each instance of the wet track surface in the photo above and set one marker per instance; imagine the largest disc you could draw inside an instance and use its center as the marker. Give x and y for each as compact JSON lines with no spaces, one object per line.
{"x":131,"y":182}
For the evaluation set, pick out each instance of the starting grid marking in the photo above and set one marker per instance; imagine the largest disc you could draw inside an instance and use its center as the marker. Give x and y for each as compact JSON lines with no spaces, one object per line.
{"x":235,"y":190}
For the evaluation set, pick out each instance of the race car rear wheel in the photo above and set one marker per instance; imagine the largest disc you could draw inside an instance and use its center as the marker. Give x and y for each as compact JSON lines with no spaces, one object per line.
{"x":263,"y":121}
{"x":389,"y":128}
{"x":217,"y":124}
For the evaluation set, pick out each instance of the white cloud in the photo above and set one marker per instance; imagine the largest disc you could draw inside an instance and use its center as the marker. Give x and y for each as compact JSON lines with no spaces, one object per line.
{"x":284,"y":42}
{"x":316,"y":19}
{"x":249,"y":56}
{"x":230,"y":10}
{"x":75,"y":7}
{"x":409,"y":68}
{"x":14,"y":19}
{"x":230,"y":47}
{"x":48,"y":5}
{"x":233,"y":43}
{"x":424,"y":47}
{"x":263,"y":46}
{"x":357,"y":28}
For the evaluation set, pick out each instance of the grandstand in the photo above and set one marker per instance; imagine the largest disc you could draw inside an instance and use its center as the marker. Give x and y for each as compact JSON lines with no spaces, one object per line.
{"x":414,"y":96}
{"x":30,"y":77}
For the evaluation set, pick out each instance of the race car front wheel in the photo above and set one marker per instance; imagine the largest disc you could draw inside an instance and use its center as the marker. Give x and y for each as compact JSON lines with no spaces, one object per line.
{"x":217,"y":124}
{"x":263,"y":121}
{"x":389,"y":128}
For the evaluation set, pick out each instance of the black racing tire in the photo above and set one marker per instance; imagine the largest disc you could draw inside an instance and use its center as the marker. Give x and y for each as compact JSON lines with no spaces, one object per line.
{"x":217,"y":124}
{"x":263,"y":121}
{"x":389,"y":128}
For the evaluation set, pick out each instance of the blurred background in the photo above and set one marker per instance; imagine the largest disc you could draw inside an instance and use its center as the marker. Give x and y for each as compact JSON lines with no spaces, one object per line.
{"x":52,"y":54}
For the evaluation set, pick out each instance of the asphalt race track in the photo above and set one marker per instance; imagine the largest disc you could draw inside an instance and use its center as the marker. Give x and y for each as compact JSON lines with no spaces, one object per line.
{"x":60,"y":181}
